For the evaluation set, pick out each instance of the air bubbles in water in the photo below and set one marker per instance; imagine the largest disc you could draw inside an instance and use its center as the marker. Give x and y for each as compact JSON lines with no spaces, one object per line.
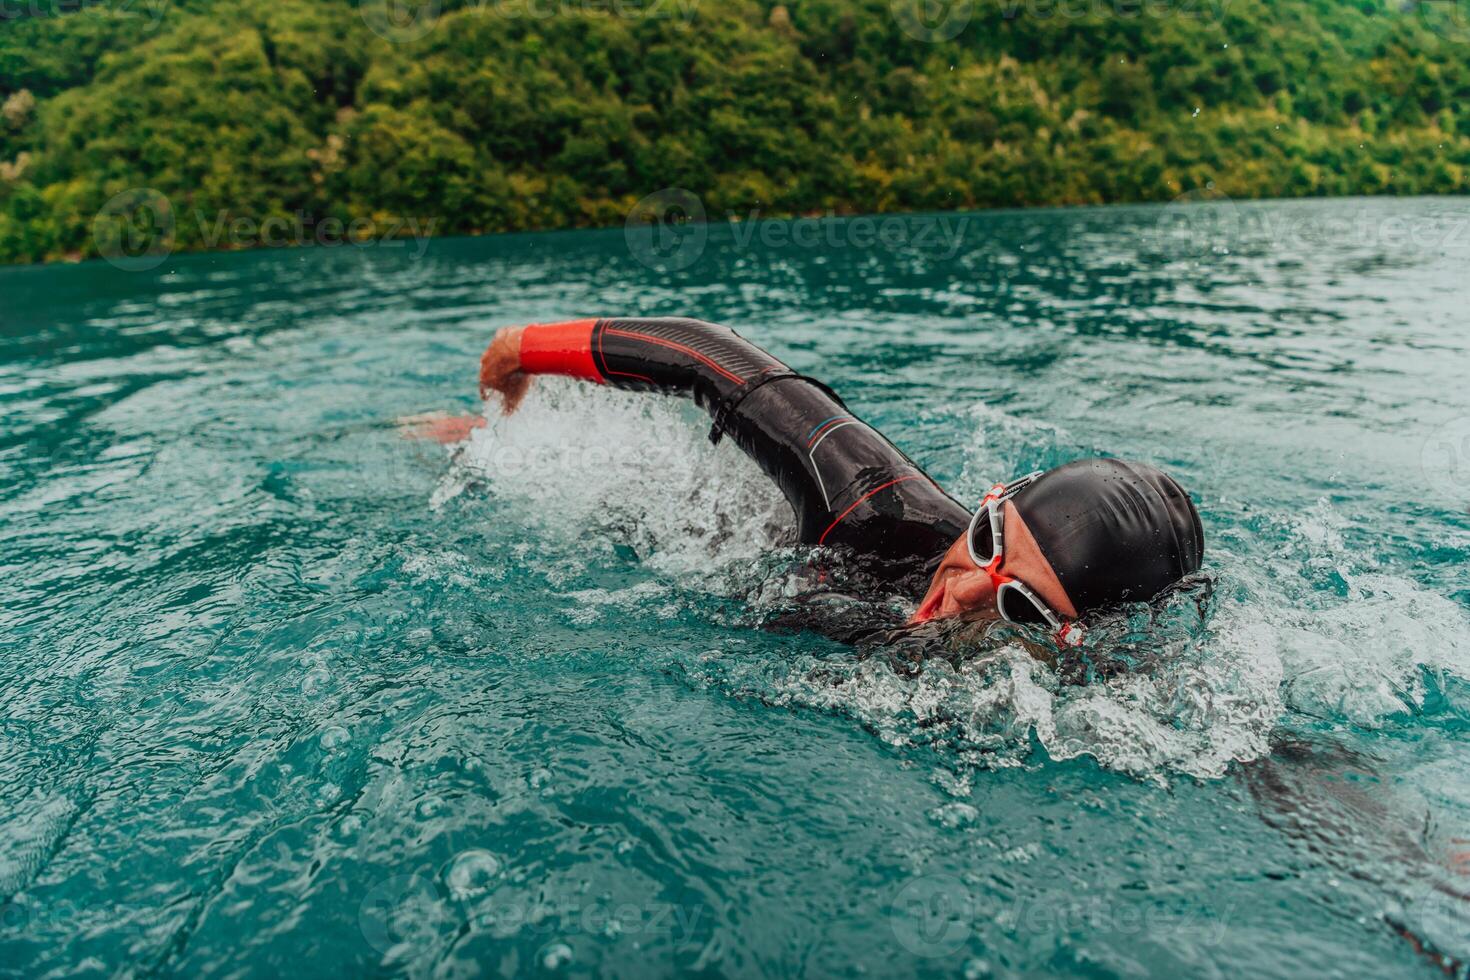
{"x":556,"y":956}
{"x":335,"y":737}
{"x":471,"y":875}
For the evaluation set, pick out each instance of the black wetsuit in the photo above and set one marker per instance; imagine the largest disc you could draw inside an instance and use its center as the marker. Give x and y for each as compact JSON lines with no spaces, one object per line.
{"x":848,"y":485}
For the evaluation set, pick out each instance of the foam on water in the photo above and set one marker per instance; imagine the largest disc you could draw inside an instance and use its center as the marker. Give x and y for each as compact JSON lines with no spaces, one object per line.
{"x":597,"y":467}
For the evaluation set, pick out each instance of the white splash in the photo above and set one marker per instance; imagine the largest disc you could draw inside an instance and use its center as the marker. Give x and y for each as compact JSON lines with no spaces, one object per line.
{"x":638,"y":470}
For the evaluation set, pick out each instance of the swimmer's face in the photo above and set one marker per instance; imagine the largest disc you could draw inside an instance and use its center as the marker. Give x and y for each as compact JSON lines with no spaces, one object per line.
{"x":961,"y":589}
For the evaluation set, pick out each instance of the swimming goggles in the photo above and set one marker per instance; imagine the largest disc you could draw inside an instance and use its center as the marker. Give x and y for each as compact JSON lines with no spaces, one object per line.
{"x":1014,"y":600}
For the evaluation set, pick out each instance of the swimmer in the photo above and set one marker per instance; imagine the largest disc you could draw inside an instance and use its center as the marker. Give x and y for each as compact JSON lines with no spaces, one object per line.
{"x":1048,"y":549}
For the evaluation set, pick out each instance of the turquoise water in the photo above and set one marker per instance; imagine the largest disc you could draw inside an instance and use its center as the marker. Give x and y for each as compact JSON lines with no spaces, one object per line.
{"x":285,"y":693}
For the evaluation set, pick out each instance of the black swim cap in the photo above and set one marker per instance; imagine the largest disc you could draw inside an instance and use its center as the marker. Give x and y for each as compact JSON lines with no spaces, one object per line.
{"x":1114,"y":531}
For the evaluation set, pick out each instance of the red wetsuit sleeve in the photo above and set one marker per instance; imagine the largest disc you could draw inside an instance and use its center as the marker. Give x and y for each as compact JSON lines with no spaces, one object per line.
{"x":560,"y":348}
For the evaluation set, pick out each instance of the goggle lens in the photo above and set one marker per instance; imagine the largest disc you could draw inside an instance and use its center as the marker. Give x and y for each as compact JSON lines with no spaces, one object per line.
{"x":982,"y":540}
{"x":1016,"y":607}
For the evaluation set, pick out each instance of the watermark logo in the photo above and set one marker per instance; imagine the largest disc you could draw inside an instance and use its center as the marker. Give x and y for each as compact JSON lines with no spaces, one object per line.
{"x":936,"y":915}
{"x":1431,"y":911}
{"x":155,"y":9}
{"x":35,"y":9}
{"x":937,"y":235}
{"x":932,"y":21}
{"x":416,"y":911}
{"x":1197,"y":224}
{"x":15,"y":918}
{"x":681,"y":925}
{"x":625,"y":9}
{"x":649,"y":707}
{"x":403,"y":910}
{"x":1450,"y":19}
{"x":1367,"y":227}
{"x":137,"y":230}
{"x":1445,"y":459}
{"x":933,"y":915}
{"x":1080,"y":9}
{"x":549,"y":462}
{"x":291,"y":230}
{"x":134,"y":230}
{"x":667,"y":230}
{"x":400,"y":21}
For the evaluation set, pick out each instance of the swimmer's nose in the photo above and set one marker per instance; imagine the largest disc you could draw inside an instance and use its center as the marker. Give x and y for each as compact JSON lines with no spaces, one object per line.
{"x":971,"y":592}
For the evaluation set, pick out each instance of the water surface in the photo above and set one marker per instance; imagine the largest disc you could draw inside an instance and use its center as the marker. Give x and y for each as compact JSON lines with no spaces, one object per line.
{"x":284,"y":693}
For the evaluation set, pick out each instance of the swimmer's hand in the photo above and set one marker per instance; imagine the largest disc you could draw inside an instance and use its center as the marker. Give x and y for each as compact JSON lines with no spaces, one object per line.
{"x":500,"y":369}
{"x":439,"y":427}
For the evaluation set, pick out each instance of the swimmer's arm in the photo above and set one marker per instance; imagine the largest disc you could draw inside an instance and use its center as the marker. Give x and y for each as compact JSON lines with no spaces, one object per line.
{"x":674,"y":354}
{"x":784,"y":427}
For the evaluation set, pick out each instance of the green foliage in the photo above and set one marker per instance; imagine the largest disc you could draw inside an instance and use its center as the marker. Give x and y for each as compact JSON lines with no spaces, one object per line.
{"x":514,"y":114}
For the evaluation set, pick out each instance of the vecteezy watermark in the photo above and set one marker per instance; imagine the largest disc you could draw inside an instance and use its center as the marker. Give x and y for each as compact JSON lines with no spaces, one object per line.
{"x":647,"y":706}
{"x":626,"y":9}
{"x":940,"y":235}
{"x":667,"y":230}
{"x":290,"y":230}
{"x":409,"y":20}
{"x":1430,"y":911}
{"x":134,"y":230}
{"x":1092,"y":9}
{"x":15,"y":918}
{"x":137,"y":230}
{"x":418,"y":909}
{"x":404,"y":910}
{"x":1205,"y":222}
{"x":1196,"y":224}
{"x":1364,"y":227}
{"x":549,"y":462}
{"x":677,"y":923}
{"x":933,"y":915}
{"x":47,"y":920}
{"x":932,"y":21}
{"x":400,"y":21}
{"x":936,"y":915}
{"x":154,"y":10}
{"x":1450,"y":19}
{"x":1445,"y":459}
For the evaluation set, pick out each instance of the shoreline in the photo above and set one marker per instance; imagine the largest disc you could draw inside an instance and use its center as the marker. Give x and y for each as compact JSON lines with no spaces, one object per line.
{"x":343,"y":236}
